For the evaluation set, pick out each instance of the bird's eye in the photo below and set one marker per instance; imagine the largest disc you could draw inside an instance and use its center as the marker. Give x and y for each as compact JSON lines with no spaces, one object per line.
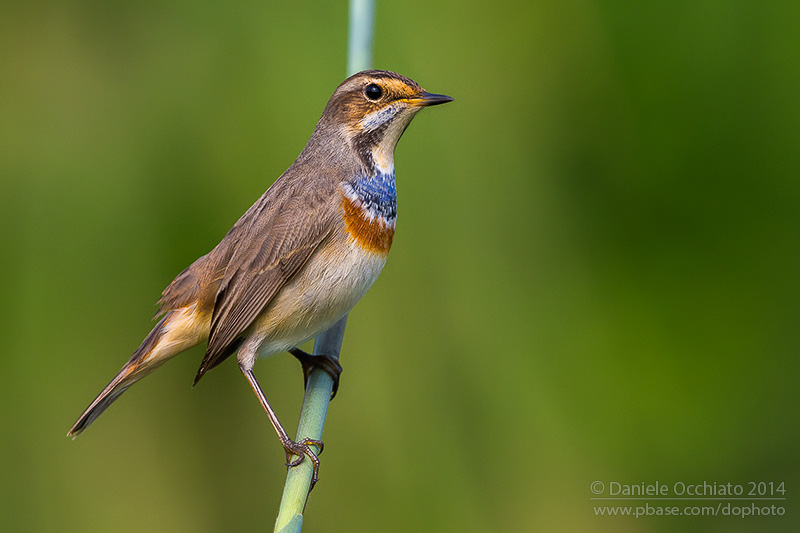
{"x":373,"y":91}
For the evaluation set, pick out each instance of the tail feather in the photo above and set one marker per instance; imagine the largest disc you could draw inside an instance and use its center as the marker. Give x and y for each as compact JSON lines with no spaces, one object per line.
{"x":132,"y":372}
{"x":177,"y":331}
{"x":113,"y":391}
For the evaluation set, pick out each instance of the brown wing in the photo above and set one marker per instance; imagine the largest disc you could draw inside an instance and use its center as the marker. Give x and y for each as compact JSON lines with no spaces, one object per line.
{"x":283,"y":231}
{"x":199,"y":283}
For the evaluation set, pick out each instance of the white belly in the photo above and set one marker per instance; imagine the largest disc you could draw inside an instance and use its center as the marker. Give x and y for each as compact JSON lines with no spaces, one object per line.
{"x":324,"y":291}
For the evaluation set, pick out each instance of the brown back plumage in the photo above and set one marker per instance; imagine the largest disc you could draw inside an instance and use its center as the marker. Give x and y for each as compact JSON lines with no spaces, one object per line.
{"x":281,"y":231}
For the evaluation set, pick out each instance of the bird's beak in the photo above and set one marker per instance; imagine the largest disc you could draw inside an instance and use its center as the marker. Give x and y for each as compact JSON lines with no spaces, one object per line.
{"x":425,"y":99}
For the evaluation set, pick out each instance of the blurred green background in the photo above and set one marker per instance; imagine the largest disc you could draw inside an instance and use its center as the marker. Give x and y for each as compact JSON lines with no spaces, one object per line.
{"x":595,"y":275}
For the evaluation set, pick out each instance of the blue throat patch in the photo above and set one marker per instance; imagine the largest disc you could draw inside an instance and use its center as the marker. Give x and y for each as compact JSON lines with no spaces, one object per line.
{"x":377,"y":194}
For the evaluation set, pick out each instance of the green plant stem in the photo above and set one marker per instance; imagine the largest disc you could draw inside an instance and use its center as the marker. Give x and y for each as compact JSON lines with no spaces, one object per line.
{"x":359,"y":41}
{"x":312,"y":420}
{"x":320,"y":384}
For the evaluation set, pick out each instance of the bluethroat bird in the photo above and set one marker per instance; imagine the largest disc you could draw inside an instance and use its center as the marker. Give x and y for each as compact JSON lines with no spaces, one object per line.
{"x":299,"y":259}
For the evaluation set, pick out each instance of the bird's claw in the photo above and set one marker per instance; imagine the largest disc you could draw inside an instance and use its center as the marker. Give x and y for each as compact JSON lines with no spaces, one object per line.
{"x":301,"y":450}
{"x":327,"y":363}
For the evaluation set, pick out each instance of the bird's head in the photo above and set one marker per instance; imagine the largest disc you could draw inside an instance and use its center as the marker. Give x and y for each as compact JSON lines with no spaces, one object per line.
{"x":372,"y":109}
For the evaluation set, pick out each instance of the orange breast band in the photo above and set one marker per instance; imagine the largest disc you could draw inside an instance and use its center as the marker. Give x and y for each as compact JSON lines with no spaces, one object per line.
{"x":373,"y":233}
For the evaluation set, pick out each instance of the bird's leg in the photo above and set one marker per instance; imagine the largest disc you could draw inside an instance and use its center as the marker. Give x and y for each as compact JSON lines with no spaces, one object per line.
{"x":327,"y":363}
{"x":302,"y":448}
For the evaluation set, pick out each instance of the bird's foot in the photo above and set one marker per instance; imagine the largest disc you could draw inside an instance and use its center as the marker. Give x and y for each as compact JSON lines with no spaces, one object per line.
{"x":301,"y":450}
{"x":327,"y":363}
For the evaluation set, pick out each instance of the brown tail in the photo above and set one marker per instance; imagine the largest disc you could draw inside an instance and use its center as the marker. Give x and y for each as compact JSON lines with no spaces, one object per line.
{"x":179,"y":330}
